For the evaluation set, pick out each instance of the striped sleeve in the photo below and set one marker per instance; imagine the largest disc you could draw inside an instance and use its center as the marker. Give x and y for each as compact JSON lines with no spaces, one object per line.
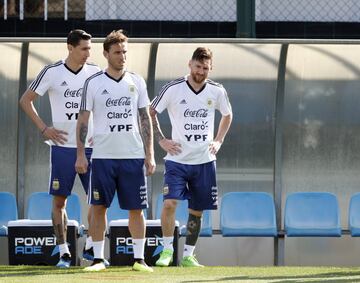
{"x":43,"y":81}
{"x":86,"y":97}
{"x":160,"y":102}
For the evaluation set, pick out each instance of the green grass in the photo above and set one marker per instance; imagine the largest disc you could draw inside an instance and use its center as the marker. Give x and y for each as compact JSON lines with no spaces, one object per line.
{"x":177,"y":274}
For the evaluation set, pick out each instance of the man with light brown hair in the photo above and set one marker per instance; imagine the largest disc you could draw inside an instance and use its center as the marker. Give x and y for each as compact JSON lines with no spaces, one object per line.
{"x":123,"y":147}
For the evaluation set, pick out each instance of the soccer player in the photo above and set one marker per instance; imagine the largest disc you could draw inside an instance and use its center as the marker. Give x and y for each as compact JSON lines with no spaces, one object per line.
{"x":191,"y":152}
{"x":119,"y":101}
{"x":63,"y":81}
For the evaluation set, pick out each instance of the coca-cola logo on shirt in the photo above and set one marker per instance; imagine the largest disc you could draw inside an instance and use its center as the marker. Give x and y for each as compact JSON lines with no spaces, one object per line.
{"x":73,"y":93}
{"x":122,"y":101}
{"x":202,"y":113}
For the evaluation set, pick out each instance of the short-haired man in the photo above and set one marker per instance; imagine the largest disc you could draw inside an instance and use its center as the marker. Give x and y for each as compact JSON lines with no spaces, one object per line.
{"x":119,"y":101}
{"x":190,"y":171}
{"x":64,"y":82}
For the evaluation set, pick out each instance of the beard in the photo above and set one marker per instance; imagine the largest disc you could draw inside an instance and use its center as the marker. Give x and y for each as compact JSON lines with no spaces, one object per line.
{"x":198,"y":78}
{"x":117,"y":67}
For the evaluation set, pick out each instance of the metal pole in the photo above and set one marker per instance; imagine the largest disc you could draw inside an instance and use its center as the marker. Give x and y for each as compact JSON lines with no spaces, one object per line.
{"x":278,"y":154}
{"x":5,"y":9}
{"x":65,"y":10}
{"x":245,"y":14}
{"x":21,"y":10}
{"x":45,"y":10}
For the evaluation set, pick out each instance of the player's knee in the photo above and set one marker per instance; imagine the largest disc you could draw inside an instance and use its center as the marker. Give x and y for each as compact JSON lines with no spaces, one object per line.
{"x":59,"y":202}
{"x":170,"y":205}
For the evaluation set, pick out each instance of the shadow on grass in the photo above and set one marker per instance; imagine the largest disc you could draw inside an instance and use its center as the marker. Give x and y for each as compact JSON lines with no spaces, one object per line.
{"x":293,"y":279}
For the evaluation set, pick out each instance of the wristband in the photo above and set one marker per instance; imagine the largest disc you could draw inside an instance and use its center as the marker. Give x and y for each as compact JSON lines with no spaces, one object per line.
{"x":43,"y":131}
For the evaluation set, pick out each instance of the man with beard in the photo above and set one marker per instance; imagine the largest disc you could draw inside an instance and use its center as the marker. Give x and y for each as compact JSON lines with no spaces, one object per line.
{"x":123,"y":146}
{"x":191,"y":152}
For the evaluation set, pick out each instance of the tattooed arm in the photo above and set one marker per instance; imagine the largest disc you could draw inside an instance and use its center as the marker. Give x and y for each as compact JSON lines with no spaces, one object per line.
{"x":81,"y":164}
{"x":147,"y":136}
{"x":170,"y":146}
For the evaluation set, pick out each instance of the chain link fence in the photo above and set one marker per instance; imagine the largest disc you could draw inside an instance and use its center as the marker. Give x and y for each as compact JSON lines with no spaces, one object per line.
{"x":183,"y":10}
{"x":308,"y":10}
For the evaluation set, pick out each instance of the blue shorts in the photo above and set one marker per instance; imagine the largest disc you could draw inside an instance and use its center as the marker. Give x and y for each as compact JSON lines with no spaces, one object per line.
{"x":62,"y":177}
{"x":125,"y":176}
{"x":197,"y":183}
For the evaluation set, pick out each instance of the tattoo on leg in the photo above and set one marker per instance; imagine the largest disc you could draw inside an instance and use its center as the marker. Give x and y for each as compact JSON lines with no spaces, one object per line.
{"x":193,"y":229}
{"x":59,"y":230}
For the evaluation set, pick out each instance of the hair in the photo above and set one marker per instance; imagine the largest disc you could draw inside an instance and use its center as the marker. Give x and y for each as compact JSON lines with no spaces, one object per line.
{"x":114,"y":37}
{"x":76,"y":35}
{"x":201,"y":54}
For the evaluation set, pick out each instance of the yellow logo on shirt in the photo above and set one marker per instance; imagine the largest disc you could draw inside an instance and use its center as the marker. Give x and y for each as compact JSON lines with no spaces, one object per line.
{"x":209,"y":103}
{"x":132,"y":88}
{"x":55,"y":184}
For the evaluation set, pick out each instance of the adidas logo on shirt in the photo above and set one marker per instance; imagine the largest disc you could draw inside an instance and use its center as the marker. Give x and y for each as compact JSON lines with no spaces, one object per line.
{"x":105,"y":92}
{"x":63,"y":83}
{"x":183,"y":101}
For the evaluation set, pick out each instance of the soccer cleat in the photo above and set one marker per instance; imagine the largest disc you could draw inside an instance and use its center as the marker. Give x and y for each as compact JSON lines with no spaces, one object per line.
{"x":89,"y":255}
{"x":190,"y":261}
{"x":142,"y":266}
{"x":166,"y":258}
{"x":64,"y":262}
{"x":97,"y":265}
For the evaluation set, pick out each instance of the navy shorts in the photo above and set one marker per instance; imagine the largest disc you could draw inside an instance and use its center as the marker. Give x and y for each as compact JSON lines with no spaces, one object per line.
{"x":197,"y":183}
{"x":62,"y":177}
{"x":125,"y":176}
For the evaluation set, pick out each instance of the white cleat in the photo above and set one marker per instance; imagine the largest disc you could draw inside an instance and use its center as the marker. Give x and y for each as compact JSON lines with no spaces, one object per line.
{"x":96,"y":267}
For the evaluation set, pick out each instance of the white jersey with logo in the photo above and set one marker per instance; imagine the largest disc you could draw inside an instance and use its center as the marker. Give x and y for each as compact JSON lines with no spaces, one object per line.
{"x":65,"y":89}
{"x":192,"y":117}
{"x":114,"y":105}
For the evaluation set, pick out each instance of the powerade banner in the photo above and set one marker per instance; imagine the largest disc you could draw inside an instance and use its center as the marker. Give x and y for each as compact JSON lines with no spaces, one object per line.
{"x":36,"y":245}
{"x":121,"y":249}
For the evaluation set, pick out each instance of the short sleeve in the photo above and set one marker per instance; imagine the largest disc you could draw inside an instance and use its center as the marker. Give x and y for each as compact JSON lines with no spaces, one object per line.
{"x":42,"y":83}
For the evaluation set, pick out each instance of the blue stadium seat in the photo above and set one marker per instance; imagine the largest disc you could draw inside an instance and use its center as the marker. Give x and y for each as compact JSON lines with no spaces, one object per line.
{"x":114,"y":212}
{"x":182,"y":214}
{"x":43,"y":211}
{"x":354,"y":215}
{"x":40,"y":207}
{"x":312,"y":214}
{"x":247,"y":214}
{"x":8,"y":211}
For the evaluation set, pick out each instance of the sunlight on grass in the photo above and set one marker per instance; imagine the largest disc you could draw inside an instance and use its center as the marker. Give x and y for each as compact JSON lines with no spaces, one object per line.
{"x":184,"y":275}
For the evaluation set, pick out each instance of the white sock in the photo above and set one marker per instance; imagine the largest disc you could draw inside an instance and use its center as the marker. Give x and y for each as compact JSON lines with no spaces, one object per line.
{"x":88,"y":243}
{"x":188,"y":250}
{"x":139,"y":246}
{"x":64,"y":249}
{"x":168,"y":243}
{"x":99,"y":249}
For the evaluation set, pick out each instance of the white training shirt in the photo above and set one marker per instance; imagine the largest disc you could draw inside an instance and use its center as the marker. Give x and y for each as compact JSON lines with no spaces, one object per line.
{"x":115,"y":104}
{"x":65,"y":89}
{"x":192,"y":117}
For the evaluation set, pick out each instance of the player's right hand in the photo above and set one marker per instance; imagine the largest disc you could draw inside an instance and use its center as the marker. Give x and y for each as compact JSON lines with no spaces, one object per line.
{"x":57,"y":136}
{"x":170,"y":146}
{"x":81,"y":164}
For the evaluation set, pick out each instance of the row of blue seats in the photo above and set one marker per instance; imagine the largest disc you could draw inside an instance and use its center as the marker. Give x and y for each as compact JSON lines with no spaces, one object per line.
{"x":309,"y":214}
{"x":39,"y":207}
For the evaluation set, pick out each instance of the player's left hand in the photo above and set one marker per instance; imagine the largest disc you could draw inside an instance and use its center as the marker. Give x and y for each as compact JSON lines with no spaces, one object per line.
{"x":150,"y":165}
{"x":214,"y":147}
